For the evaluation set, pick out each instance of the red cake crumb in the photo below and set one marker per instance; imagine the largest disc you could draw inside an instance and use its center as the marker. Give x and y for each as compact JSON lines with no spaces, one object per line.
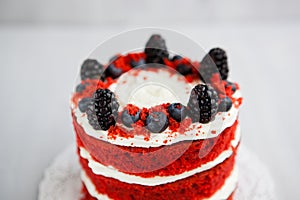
{"x":163,"y":160}
{"x":199,"y":186}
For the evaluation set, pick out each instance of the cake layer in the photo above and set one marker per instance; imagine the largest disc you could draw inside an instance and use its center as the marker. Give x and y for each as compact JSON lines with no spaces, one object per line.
{"x":220,"y":181}
{"x":109,"y":171}
{"x":86,"y":195}
{"x":161,"y":161}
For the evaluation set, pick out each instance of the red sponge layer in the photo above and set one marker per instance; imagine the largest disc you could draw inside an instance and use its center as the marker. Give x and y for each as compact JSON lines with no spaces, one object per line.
{"x":199,"y":186}
{"x":87,"y":196}
{"x":156,"y":161}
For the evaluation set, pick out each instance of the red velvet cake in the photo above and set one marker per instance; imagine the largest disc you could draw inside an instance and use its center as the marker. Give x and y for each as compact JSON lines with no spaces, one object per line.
{"x":151,"y":125}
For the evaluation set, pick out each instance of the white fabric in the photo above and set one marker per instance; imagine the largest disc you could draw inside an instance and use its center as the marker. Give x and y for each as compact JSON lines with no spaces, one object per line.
{"x":62,"y":179}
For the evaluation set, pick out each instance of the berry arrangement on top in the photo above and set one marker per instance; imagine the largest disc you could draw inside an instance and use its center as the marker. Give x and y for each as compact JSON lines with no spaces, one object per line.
{"x":204,"y":102}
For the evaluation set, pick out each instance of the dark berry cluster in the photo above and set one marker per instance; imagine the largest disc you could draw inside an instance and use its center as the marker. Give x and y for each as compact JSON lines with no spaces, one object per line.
{"x":91,"y":69}
{"x":156,"y":50}
{"x":203,"y":103}
{"x":216,"y":57}
{"x":102,"y":112}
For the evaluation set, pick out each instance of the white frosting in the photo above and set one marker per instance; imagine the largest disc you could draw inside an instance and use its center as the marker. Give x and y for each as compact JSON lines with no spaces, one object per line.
{"x":91,"y":187}
{"x":223,"y":193}
{"x":229,"y":186}
{"x":111,"y":172}
{"x":152,"y":88}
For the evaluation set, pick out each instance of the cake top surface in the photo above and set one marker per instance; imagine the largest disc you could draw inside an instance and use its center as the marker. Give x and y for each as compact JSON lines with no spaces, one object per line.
{"x":155,"y":98}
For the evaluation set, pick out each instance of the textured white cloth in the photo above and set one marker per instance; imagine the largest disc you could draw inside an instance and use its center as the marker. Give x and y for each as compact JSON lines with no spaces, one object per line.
{"x":62,"y":180}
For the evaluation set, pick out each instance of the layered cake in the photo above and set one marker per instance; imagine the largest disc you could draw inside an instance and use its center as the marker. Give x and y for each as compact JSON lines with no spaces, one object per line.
{"x":157,"y":125}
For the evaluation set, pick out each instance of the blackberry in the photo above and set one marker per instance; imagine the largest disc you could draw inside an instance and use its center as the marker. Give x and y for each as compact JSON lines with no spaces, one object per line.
{"x":91,"y":69}
{"x":156,"y":50}
{"x":113,"y":71}
{"x":225,"y":104}
{"x":177,"y":111}
{"x":203,"y":103}
{"x":129,"y":119}
{"x":103,"y":110}
{"x":218,"y":57}
{"x":157,"y":122}
{"x":83,"y":104}
{"x":184,"y":69}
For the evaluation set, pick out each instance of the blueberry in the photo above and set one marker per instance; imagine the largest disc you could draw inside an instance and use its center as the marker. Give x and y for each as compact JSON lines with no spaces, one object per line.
{"x":157,"y":122}
{"x":233,"y":86}
{"x":184,"y":69}
{"x":176,"y":57}
{"x":129,"y":119}
{"x":80,"y":87}
{"x":115,"y":57}
{"x":225,"y":105}
{"x":137,"y":63}
{"x":83,"y":104}
{"x":113,"y":71}
{"x":177,"y":111}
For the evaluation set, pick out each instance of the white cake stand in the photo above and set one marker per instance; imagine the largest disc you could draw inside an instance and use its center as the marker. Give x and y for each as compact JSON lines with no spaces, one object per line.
{"x":62,"y":181}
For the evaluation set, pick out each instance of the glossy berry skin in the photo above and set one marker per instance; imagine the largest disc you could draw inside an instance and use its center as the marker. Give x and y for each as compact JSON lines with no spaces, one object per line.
{"x":203,"y":103}
{"x":177,"y":111}
{"x":115,"y":57}
{"x":81,"y":87}
{"x":184,"y":69}
{"x":156,"y":49}
{"x":103,"y":111}
{"x":91,"y":69}
{"x":83,"y":104}
{"x":113,"y":71}
{"x":233,"y":86}
{"x":176,"y":57}
{"x":225,"y":104}
{"x":157,"y":122}
{"x":129,"y":119}
{"x":137,"y":63}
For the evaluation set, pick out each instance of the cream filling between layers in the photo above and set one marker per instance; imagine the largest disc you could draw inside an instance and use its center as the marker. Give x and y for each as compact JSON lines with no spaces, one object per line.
{"x":223,"y":193}
{"x":111,"y":172}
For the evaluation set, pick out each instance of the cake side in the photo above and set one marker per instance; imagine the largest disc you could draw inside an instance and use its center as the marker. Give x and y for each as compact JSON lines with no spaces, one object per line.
{"x":138,"y":140}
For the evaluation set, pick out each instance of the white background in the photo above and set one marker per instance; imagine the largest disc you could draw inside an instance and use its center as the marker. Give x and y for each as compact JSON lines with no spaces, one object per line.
{"x":42,"y":44}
